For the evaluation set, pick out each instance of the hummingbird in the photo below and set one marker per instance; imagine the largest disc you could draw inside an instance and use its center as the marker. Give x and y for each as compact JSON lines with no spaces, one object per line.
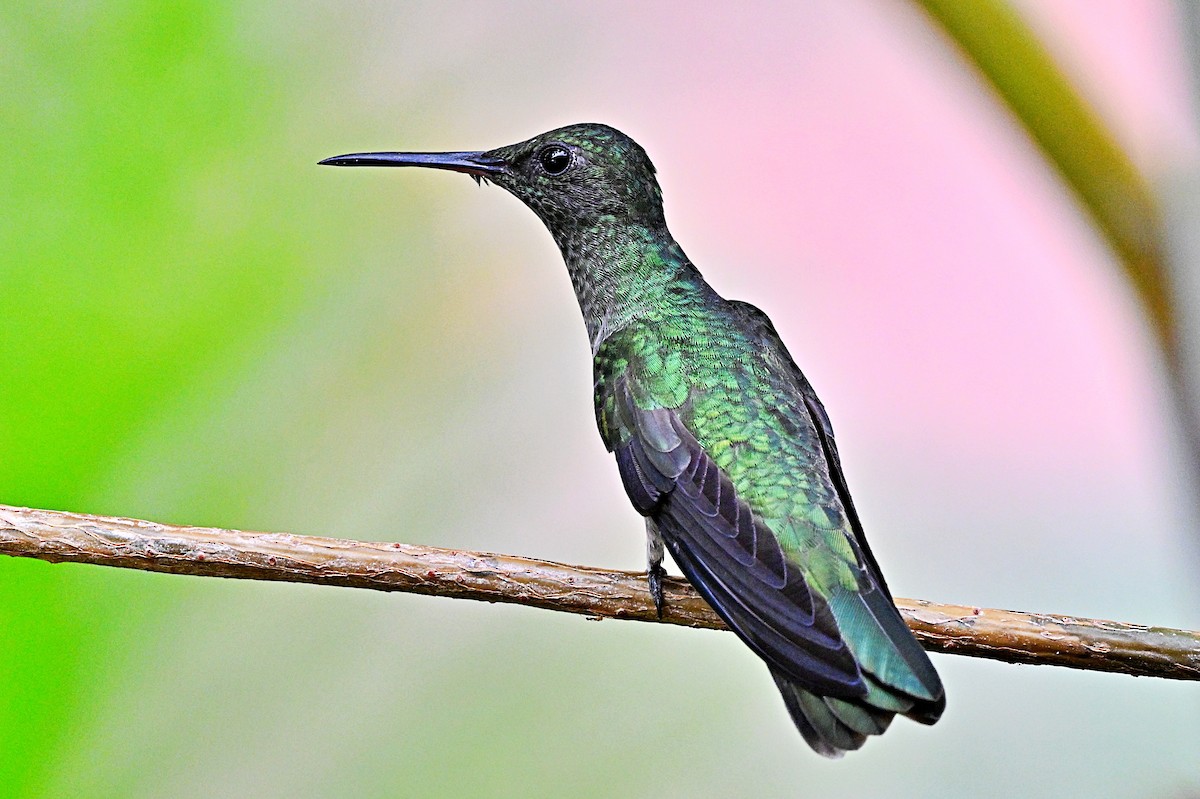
{"x":720,"y":440}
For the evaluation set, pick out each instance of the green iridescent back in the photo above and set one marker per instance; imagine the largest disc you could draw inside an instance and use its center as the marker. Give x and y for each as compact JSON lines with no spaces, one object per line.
{"x":694,"y":353}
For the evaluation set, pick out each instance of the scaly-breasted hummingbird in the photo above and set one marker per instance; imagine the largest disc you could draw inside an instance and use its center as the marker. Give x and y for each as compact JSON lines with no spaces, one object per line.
{"x":720,"y":440}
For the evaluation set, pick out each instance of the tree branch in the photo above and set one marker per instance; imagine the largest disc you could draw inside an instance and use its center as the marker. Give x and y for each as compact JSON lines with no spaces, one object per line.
{"x":1035,"y":638}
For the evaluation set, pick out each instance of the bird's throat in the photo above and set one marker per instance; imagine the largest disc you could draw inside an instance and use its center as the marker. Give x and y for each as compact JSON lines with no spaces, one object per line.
{"x":621,"y":273}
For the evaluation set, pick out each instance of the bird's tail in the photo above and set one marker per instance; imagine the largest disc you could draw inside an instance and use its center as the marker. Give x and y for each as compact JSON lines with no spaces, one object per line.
{"x":897,"y":678}
{"x":833,"y":726}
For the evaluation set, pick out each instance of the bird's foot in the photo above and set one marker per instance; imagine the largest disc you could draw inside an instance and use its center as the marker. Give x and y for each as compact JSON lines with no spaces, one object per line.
{"x":656,"y":573}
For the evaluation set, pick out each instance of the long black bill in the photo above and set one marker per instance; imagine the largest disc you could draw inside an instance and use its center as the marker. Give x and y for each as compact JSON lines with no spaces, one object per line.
{"x":476,"y":164}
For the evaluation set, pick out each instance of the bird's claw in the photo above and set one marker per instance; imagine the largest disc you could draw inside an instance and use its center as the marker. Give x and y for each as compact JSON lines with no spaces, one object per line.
{"x":656,"y":574}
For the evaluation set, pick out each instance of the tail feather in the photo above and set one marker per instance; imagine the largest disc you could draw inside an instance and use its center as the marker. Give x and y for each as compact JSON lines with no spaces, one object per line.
{"x":883,"y":645}
{"x":860,"y":717}
{"x":886,"y":699}
{"x":818,"y":725}
{"x":833,"y":726}
{"x":896,"y":674}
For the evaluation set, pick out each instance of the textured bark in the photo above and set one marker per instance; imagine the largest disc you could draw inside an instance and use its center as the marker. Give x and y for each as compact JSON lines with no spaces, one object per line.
{"x":1035,"y":638}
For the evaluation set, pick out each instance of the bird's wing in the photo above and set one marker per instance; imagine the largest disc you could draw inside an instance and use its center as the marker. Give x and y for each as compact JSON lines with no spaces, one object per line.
{"x":771,"y":344}
{"x":886,"y":648}
{"x":724,"y":548}
{"x":782,"y":565}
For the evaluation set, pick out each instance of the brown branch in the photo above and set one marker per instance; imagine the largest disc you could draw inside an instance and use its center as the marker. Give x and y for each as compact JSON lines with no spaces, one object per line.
{"x":978,"y":632}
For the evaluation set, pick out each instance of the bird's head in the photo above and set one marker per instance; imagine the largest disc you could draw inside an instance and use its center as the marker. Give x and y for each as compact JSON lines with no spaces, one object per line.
{"x":575,"y":176}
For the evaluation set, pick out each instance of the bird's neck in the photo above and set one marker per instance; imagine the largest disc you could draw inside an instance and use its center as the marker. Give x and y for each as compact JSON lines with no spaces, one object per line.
{"x":623,"y":272}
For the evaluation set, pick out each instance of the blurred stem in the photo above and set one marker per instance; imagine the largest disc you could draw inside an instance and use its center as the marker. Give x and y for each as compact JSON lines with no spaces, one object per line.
{"x":979,"y":632}
{"x":1075,"y":141}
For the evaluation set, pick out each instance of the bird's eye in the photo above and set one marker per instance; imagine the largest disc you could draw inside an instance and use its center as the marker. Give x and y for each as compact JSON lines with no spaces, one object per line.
{"x":555,"y":159}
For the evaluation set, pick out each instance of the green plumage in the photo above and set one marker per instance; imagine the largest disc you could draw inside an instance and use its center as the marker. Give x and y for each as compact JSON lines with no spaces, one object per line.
{"x":720,"y":440}
{"x":718,"y":376}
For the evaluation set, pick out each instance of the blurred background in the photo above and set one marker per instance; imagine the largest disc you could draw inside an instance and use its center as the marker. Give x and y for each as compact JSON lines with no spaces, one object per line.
{"x":199,"y":325}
